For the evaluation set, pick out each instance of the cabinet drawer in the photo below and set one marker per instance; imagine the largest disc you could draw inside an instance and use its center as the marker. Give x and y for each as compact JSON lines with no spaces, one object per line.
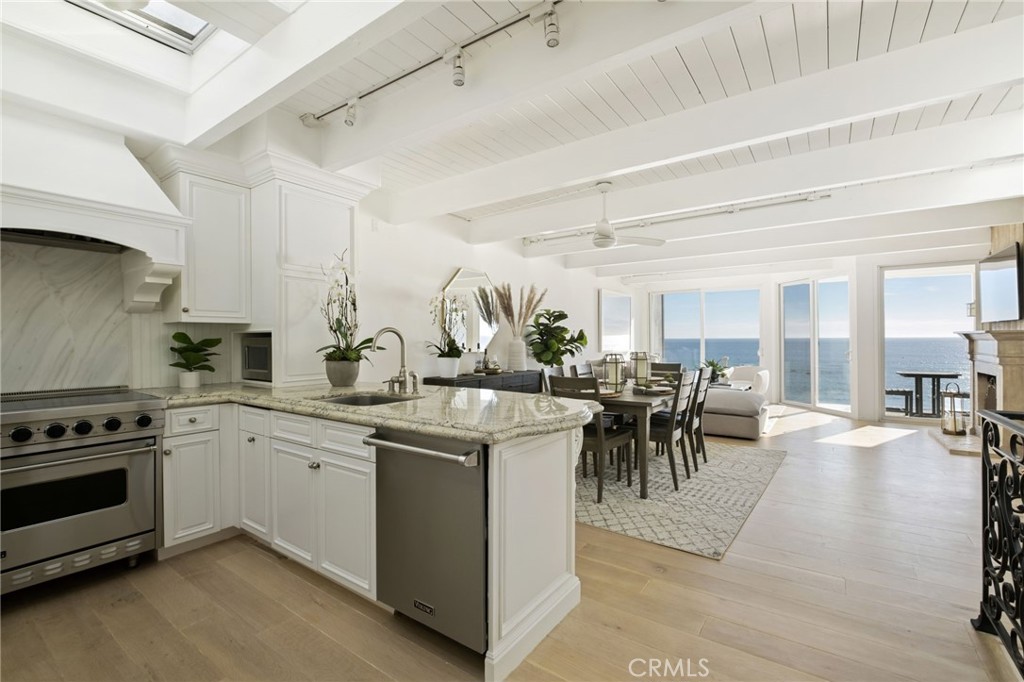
{"x":192,"y":420}
{"x":254,"y":420}
{"x":292,"y":427}
{"x":344,"y":439}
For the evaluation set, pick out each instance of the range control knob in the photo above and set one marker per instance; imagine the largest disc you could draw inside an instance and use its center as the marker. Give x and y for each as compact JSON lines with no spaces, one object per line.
{"x":111,"y":423}
{"x":143,"y":420}
{"x":20,"y":434}
{"x":83,"y":427}
{"x":55,"y":430}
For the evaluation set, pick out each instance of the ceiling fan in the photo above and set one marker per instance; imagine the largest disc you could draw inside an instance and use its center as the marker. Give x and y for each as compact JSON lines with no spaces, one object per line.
{"x":604,"y":233}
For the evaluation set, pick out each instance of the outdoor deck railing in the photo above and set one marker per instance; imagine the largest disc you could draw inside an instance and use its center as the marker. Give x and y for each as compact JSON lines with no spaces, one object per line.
{"x":1002,"y":512}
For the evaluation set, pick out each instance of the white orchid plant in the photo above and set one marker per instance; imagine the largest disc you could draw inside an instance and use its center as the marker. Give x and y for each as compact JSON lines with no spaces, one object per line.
{"x":340,"y":310}
{"x":449,"y":314}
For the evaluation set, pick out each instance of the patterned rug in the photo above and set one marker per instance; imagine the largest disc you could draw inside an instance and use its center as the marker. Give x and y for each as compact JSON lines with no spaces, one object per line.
{"x":703,"y":517}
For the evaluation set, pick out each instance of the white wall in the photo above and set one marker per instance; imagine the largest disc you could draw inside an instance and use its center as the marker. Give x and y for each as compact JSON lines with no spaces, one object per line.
{"x":399,"y":269}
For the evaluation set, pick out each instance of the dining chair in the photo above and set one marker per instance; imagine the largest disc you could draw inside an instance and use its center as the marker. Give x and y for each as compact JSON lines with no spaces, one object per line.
{"x":694,"y":421}
{"x":667,"y":429}
{"x":549,"y":372}
{"x":582,"y":370}
{"x":661,"y":369}
{"x":598,"y":438}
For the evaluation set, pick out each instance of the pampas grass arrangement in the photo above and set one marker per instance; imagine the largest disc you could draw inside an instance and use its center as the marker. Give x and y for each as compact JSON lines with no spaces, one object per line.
{"x":487,"y":305}
{"x":528,"y":306}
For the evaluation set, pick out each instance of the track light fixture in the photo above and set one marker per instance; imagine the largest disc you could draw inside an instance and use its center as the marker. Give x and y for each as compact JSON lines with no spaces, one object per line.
{"x":351,"y":111}
{"x":551,"y":29}
{"x":458,"y":72}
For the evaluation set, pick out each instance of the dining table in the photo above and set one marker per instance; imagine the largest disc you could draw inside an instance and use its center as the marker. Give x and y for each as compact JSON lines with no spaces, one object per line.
{"x":642,"y":407}
{"x":935,"y":377}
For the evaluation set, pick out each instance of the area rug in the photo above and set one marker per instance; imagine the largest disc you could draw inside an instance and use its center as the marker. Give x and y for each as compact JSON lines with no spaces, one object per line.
{"x":703,"y":517}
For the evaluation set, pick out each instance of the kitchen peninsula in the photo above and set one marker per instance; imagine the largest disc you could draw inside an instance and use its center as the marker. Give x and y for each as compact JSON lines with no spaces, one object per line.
{"x":294,"y":470}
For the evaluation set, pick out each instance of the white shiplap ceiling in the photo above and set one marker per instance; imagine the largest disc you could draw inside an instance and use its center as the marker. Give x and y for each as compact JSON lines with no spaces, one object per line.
{"x":793,"y":41}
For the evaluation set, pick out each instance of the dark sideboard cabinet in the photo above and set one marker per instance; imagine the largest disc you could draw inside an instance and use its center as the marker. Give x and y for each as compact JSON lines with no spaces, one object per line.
{"x":528,"y":381}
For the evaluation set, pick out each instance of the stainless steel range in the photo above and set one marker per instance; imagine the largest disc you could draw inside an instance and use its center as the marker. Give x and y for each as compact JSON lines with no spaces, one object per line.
{"x":80,"y":482}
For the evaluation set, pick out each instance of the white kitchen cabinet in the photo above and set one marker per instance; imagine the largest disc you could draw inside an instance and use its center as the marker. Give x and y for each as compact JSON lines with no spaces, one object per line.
{"x":214,"y":285}
{"x":293,"y":507}
{"x":346,"y":521}
{"x":191,"y":486}
{"x":323,"y":508}
{"x":254,"y":483}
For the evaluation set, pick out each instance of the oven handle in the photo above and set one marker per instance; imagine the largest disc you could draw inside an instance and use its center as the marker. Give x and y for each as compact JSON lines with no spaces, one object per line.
{"x":47,"y":465}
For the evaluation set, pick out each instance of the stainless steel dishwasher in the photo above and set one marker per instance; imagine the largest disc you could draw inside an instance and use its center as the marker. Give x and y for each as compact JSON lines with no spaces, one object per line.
{"x":432,"y":533}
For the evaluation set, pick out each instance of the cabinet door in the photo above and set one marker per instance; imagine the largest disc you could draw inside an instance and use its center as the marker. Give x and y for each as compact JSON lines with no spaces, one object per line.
{"x":214,"y":284}
{"x":292,"y":519}
{"x":254,"y":479}
{"x":346,"y":522}
{"x":191,"y":486}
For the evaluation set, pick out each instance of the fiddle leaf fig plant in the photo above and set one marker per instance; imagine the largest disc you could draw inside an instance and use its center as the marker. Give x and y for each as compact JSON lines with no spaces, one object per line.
{"x":195,"y":355}
{"x":550,"y":342}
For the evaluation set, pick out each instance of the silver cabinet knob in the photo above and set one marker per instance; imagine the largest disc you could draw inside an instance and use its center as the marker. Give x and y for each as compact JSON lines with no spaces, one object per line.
{"x":191,"y":420}
{"x":313,"y":465}
{"x":167,"y":452}
{"x":251,"y":439}
{"x":185,"y":309}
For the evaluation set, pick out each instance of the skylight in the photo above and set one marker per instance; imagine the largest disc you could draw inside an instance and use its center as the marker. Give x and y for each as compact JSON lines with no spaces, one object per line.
{"x":155,"y":19}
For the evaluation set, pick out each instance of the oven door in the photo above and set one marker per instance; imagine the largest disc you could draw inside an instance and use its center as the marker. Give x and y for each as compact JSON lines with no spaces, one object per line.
{"x":68,"y":500}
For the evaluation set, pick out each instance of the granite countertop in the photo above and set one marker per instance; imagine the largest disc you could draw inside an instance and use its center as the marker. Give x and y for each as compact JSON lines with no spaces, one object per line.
{"x":469,"y":414}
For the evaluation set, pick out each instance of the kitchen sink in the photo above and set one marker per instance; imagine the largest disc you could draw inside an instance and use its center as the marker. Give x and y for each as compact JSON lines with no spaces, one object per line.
{"x":368,"y":399}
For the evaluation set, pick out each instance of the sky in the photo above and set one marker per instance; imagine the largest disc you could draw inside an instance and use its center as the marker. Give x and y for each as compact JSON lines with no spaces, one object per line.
{"x":728,"y":315}
{"x":927,"y":306}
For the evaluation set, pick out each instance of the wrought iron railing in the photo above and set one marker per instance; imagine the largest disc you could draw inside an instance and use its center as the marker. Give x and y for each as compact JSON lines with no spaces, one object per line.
{"x":1002,"y":511}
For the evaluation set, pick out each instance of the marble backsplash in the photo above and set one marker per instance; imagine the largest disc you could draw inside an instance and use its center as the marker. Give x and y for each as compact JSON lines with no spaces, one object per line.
{"x":62,"y":325}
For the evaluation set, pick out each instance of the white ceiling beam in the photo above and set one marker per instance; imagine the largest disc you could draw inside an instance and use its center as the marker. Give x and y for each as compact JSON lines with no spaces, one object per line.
{"x":313,"y":41}
{"x":944,"y":147}
{"x":954,"y":188}
{"x":64,"y":83}
{"x":856,"y":236}
{"x":595,"y":38}
{"x":249,"y":20}
{"x":975,"y":60}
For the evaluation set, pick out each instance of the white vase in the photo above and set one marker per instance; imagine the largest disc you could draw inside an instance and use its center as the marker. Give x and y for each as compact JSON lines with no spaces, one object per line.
{"x":517,"y":354}
{"x":448,"y":367}
{"x":497,"y":349}
{"x":188,"y":380}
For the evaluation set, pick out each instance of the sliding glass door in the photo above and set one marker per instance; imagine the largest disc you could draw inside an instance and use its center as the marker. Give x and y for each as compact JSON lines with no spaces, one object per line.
{"x":797,"y":350}
{"x":816,"y":343}
{"x":699,"y":325}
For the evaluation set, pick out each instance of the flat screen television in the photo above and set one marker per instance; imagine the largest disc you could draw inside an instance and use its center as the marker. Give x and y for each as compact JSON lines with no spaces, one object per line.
{"x":1001,"y":282}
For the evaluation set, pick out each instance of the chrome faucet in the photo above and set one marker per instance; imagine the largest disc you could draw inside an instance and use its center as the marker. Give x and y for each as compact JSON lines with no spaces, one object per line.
{"x":401,"y":381}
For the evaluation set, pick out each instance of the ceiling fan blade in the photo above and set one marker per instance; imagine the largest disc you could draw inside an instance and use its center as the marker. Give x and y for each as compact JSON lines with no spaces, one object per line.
{"x":642,"y":241}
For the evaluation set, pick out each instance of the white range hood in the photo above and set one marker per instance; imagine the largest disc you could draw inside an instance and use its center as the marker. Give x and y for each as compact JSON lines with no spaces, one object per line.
{"x":62,"y":176}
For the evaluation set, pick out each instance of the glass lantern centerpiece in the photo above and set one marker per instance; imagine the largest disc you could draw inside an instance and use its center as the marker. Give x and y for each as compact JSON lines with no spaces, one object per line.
{"x":954,"y":411}
{"x":615,"y":371}
{"x":641,"y":363}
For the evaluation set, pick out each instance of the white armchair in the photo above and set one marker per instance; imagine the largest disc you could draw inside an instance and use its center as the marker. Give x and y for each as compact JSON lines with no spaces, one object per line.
{"x":757,"y":376}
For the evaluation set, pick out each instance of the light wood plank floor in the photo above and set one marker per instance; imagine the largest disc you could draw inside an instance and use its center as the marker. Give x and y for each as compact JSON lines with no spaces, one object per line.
{"x":861,"y":562}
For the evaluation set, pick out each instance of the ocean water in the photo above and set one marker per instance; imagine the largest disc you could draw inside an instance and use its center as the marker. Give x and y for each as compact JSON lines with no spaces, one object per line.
{"x":938,"y":354}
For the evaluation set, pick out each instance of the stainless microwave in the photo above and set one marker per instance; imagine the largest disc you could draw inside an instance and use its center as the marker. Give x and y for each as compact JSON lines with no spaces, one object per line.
{"x":257,"y":358}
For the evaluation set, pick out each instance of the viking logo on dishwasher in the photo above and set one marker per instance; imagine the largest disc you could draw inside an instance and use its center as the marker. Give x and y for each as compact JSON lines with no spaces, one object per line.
{"x":425,"y":608}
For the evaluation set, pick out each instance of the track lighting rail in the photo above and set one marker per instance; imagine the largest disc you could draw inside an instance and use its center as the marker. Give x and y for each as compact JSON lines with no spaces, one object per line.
{"x":311,"y":120}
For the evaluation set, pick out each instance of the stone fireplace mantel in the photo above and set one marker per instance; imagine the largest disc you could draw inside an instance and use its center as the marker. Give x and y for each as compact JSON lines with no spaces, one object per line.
{"x":996,"y":356}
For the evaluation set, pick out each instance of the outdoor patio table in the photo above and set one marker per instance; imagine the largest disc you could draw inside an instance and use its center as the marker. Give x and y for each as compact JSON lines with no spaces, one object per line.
{"x":919,"y":376}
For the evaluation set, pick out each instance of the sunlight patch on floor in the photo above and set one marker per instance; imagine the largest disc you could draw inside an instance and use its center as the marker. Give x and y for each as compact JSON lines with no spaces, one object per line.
{"x":789,"y":419}
{"x":867,"y":436}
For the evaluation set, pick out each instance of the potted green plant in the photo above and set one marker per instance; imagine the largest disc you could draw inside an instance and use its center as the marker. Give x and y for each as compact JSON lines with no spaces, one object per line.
{"x":340,"y":310}
{"x":194,"y":357}
{"x":550,"y":342}
{"x":719,"y":369}
{"x":449,"y":313}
